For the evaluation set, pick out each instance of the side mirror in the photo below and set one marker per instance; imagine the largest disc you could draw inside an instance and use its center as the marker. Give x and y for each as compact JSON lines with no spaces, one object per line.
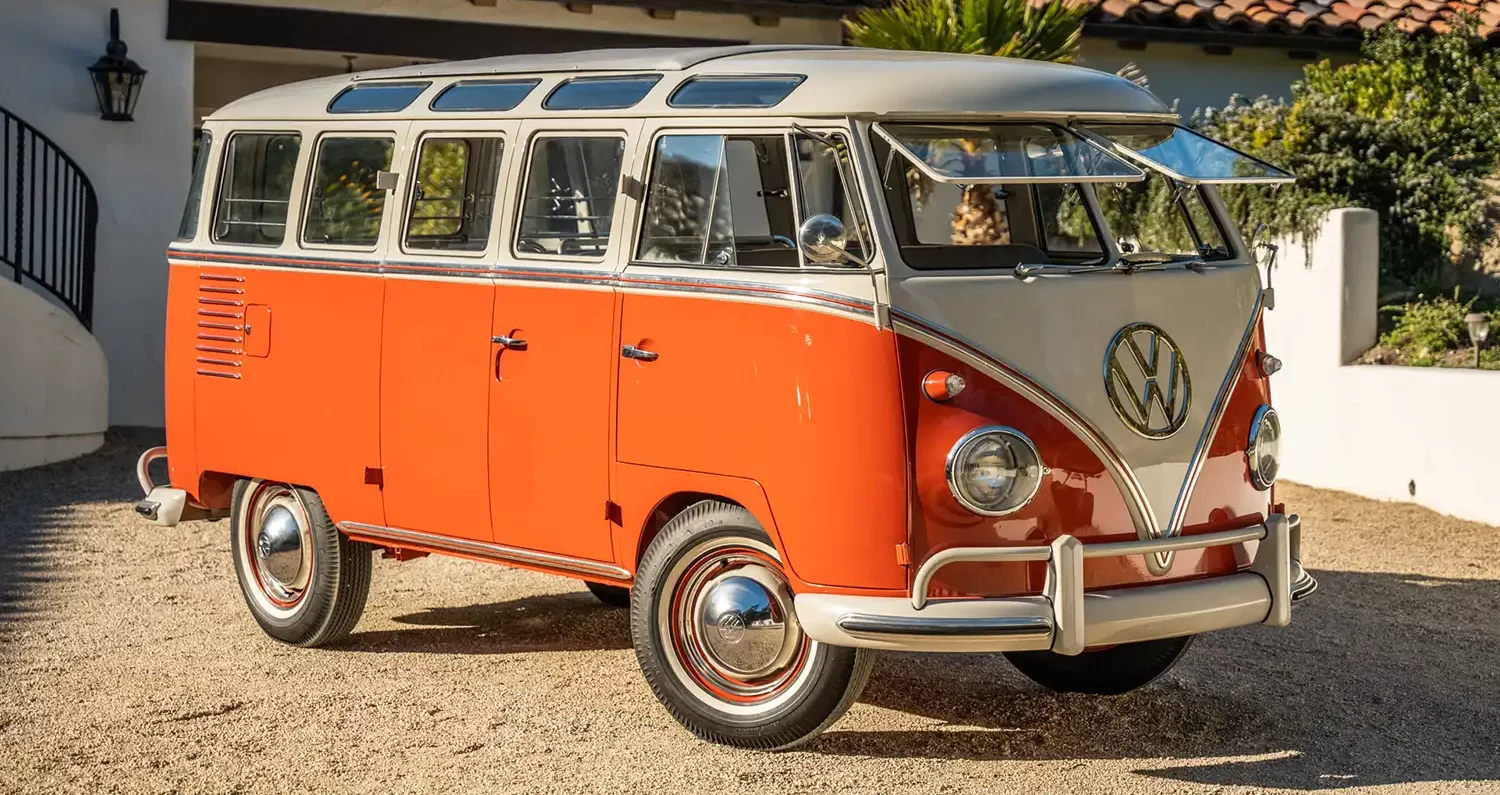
{"x":823,"y":239}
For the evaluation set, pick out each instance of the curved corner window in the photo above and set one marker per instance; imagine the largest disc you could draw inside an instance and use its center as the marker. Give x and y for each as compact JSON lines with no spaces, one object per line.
{"x":483,"y":95}
{"x":600,"y":93}
{"x":376,"y":97}
{"x":202,"y":143}
{"x":734,"y":92}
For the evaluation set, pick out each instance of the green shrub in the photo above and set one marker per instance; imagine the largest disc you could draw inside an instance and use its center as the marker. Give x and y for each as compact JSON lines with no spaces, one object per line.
{"x":1432,"y":332}
{"x":1409,"y":131}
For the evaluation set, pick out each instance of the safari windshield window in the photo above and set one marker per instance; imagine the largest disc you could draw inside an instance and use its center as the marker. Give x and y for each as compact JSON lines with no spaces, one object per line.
{"x":966,"y":197}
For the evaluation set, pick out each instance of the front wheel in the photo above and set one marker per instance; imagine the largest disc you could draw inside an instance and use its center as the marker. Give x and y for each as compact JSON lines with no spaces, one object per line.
{"x":1102,"y":672}
{"x":304,"y":581}
{"x":714,"y":628}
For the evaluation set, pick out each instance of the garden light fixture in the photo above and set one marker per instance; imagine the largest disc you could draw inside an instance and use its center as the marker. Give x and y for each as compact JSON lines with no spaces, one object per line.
{"x":1479,"y":331}
{"x":117,"y":79}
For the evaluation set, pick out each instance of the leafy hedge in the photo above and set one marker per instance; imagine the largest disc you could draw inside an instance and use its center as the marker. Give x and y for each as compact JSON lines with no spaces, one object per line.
{"x":1408,"y":131}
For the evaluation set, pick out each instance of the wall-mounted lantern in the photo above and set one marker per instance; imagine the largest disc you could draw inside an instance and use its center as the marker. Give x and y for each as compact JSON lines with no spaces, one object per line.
{"x":117,"y":79}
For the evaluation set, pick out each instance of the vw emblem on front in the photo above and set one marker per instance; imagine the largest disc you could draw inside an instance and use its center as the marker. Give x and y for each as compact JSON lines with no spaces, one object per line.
{"x":1146,"y":380}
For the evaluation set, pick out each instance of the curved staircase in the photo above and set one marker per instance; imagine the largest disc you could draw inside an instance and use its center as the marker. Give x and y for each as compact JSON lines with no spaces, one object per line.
{"x":54,"y":383}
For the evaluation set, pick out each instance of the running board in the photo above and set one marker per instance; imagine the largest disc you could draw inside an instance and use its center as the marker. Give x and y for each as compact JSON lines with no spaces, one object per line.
{"x":486,"y":551}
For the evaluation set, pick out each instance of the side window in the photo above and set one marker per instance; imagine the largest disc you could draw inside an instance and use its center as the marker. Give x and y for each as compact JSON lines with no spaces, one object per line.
{"x":255,"y":188}
{"x":344,"y":206}
{"x":1066,"y":225}
{"x":453,"y":194}
{"x":824,"y":168}
{"x":721,"y":200}
{"x":569,"y":201}
{"x":202,"y":145}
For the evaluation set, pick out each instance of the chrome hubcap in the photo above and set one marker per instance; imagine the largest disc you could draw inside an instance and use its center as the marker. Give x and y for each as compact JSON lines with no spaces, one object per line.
{"x":278,"y":546}
{"x":279,"y":540}
{"x":743,"y":625}
{"x":734,"y":630}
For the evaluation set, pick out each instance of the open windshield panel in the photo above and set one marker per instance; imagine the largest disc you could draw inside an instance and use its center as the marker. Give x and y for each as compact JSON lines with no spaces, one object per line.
{"x":1057,"y":214}
{"x":1004,"y":153}
{"x":1183,"y":154}
{"x":944,"y":224}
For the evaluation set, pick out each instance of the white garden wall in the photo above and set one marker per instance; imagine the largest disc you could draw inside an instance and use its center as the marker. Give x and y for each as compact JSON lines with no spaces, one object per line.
{"x":54,"y":383}
{"x":1400,"y":433}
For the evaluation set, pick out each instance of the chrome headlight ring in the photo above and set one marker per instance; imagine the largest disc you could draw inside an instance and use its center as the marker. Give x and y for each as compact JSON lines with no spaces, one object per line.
{"x":1025,"y":480}
{"x":1263,"y":448}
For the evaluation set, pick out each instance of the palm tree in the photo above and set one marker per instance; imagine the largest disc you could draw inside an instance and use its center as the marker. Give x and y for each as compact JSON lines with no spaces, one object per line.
{"x":1038,"y":31}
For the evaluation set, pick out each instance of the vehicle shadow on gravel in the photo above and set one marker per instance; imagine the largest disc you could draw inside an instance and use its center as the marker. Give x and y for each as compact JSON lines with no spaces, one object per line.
{"x":1381,"y":679}
{"x":556,"y":622}
{"x":36,"y":514}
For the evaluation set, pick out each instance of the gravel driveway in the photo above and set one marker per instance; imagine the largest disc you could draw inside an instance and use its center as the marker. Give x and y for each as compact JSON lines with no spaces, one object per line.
{"x":131,"y":664}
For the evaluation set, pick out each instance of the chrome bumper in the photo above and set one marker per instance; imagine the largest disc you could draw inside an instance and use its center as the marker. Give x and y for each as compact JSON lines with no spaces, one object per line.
{"x":1065,"y":618}
{"x":164,"y":505}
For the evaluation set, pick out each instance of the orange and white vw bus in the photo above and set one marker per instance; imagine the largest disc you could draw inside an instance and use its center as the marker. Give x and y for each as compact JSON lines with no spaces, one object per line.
{"x":793,"y":354}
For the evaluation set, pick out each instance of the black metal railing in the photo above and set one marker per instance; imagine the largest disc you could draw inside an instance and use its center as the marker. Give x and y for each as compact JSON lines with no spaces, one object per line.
{"x":48,"y":215}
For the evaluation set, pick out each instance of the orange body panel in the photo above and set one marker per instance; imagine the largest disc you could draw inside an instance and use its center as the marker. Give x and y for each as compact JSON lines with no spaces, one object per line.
{"x":804,"y":402}
{"x":181,"y":411}
{"x":549,"y":418}
{"x":434,"y":405}
{"x":308,"y":413}
{"x":817,"y":422}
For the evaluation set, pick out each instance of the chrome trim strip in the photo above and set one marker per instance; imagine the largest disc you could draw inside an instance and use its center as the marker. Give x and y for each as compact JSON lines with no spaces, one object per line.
{"x":485,"y":550}
{"x":997,"y":368}
{"x":937,"y":176}
{"x":1211,"y":428}
{"x":235,"y":376}
{"x":593,"y":278}
{"x":1002,"y":626}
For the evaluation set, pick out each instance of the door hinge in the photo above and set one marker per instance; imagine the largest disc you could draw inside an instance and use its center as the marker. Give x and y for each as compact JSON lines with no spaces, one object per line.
{"x":375,"y":476}
{"x":903,"y":554}
{"x":613,"y":514}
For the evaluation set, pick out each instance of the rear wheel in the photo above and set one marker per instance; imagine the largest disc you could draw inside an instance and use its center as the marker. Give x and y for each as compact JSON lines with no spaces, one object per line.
{"x":304,"y":581}
{"x":717,"y":637}
{"x":1103,"y":672}
{"x":612,"y":595}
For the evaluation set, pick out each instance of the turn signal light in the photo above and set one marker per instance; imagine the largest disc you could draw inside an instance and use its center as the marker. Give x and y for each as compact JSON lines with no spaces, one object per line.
{"x":943,"y":386}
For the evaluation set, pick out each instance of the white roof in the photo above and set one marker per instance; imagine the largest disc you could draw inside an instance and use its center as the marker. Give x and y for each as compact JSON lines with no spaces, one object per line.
{"x":841,"y":81}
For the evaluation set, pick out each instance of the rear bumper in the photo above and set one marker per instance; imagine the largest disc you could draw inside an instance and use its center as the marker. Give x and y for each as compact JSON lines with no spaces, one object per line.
{"x":1065,"y":618}
{"x":164,"y":505}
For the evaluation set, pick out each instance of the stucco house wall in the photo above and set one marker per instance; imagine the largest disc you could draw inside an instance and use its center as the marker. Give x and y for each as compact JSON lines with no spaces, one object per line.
{"x":1192,"y":78}
{"x":140,"y":169}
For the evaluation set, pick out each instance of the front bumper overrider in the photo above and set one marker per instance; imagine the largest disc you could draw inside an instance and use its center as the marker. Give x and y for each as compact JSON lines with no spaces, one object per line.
{"x":1065,"y":618}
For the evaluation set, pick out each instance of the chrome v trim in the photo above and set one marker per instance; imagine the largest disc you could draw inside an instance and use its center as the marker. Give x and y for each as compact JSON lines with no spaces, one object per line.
{"x":974,"y":355}
{"x":482,"y":549}
{"x":1215,"y":417}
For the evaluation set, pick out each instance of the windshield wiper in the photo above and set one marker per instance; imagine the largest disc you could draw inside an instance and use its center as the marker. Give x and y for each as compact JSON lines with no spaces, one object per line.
{"x":1156,"y":260}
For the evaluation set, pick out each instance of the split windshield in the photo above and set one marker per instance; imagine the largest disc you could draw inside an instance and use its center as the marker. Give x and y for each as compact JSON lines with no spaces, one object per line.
{"x":1002,"y":195}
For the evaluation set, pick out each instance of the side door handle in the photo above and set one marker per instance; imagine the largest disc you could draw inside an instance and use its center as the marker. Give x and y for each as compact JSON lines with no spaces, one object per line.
{"x":639,"y":354}
{"x":510,"y":343}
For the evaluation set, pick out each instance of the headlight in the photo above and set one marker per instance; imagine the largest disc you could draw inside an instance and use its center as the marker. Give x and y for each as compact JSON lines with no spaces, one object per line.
{"x":994,"y":470}
{"x":1264,"y":449}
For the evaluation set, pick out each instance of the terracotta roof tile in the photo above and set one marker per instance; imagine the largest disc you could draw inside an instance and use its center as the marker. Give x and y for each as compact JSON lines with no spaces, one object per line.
{"x":1341,"y":18}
